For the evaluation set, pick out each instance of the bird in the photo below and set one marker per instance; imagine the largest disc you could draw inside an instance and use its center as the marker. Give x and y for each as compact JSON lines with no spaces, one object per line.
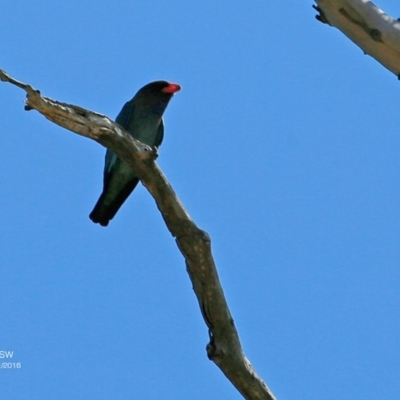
{"x":142,"y":118}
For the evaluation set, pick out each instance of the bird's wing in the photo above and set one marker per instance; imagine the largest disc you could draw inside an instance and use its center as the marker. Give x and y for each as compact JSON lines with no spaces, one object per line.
{"x":125,"y":115}
{"x":123,"y":119}
{"x":110,"y":160}
{"x":160,"y":134}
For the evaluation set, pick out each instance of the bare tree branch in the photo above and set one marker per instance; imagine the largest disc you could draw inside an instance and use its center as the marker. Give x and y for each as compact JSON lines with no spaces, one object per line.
{"x":377,"y":34}
{"x":195,"y":244}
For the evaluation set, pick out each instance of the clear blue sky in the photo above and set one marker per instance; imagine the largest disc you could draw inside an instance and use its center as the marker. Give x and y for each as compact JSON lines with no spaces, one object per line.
{"x":284,"y":144}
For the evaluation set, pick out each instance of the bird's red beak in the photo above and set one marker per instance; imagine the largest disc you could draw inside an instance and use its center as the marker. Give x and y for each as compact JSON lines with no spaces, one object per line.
{"x":172,"y":88}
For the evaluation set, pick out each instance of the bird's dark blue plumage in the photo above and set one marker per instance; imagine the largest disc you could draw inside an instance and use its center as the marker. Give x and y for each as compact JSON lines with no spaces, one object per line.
{"x":142,"y":118}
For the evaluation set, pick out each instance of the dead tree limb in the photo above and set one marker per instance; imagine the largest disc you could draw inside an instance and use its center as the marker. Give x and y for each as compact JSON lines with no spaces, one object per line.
{"x":224,"y":347}
{"x":377,"y":34}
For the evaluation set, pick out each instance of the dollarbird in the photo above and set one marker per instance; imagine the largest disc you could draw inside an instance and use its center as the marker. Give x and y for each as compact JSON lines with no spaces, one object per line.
{"x":142,"y":118}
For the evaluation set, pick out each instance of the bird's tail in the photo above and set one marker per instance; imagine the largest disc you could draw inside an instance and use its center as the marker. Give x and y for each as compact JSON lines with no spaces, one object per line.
{"x":103,"y":212}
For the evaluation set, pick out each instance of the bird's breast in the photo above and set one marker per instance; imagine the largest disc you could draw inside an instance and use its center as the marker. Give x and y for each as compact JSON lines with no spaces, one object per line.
{"x":146,"y":129}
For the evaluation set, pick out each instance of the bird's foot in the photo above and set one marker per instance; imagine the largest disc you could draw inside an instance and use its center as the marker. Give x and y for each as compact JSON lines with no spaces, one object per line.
{"x":147,"y":152}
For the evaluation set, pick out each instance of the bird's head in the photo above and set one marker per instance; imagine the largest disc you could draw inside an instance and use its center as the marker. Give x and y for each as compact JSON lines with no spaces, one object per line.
{"x":156,"y":95}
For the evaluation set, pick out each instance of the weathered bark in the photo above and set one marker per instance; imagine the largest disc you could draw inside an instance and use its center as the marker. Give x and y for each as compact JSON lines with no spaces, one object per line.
{"x":377,"y":34}
{"x":195,"y":244}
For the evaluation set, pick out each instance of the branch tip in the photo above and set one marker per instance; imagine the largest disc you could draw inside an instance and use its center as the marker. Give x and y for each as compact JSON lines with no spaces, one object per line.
{"x":320,"y":16}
